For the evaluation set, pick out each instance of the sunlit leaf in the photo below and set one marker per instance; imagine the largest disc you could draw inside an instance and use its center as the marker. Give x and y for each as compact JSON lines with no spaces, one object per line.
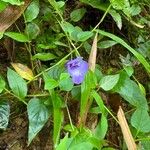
{"x":141,"y":120}
{"x":83,"y":36}
{"x":109,"y":81}
{"x":20,"y":37}
{"x":106,"y":44}
{"x":2,"y":84}
{"x":23,"y":71}
{"x":32,"y":11}
{"x":50,"y":83}
{"x":13,"y":2}
{"x":3,"y":5}
{"x":17,"y":83}
{"x":44,"y":56}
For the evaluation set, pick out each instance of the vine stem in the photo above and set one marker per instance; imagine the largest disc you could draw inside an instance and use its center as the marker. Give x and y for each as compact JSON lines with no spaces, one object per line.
{"x":51,"y":66}
{"x":15,"y":96}
{"x":103,"y":17}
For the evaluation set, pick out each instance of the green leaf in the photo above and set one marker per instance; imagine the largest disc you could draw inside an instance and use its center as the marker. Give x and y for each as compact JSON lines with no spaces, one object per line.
{"x":106,"y":44}
{"x":77,"y":14}
{"x":135,"y":10}
{"x":109,"y":81}
{"x":32,"y":11}
{"x":102,"y":127}
{"x":76,"y":92}
{"x":144,"y":49}
{"x":17,"y":83}
{"x":60,"y":4}
{"x":99,"y":101}
{"x":56,"y":71}
{"x":122,"y":42}
{"x":1,"y":35}
{"x":84,"y":140}
{"x":65,"y":82}
{"x":141,"y":120}
{"x":129,"y":70}
{"x":4,"y":114}
{"x":57,"y":116}
{"x":38,"y":115}
{"x":2,"y":84}
{"x":119,"y":4}
{"x":88,"y":84}
{"x":117,"y":18}
{"x":130,"y":91}
{"x":50,"y":83}
{"x":68,"y":27}
{"x":145,"y":144}
{"x":102,"y":5}
{"x":83,"y":36}
{"x":44,"y":56}
{"x":63,"y":143}
{"x":14,"y":2}
{"x":20,"y":37}
{"x":3,"y":5}
{"x":32,"y":30}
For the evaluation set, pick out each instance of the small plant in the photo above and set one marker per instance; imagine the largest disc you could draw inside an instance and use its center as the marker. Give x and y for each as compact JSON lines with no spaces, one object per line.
{"x":63,"y":66}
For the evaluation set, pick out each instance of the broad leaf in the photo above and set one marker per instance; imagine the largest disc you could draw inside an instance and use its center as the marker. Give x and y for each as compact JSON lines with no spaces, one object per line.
{"x":23,"y":71}
{"x":106,"y":44}
{"x":64,"y":143}
{"x":32,"y":11}
{"x":102,"y":127}
{"x":4,"y":114}
{"x":109,"y":81}
{"x":44,"y":56}
{"x":141,"y":120}
{"x":117,"y":18}
{"x":3,"y":5}
{"x":77,"y":14}
{"x":50,"y":83}
{"x":38,"y":115}
{"x":2,"y":84}
{"x":65,"y":82}
{"x":32,"y":30}
{"x":84,"y":140}
{"x":20,"y":37}
{"x":83,"y":36}
{"x":130,"y":91}
{"x":17,"y":84}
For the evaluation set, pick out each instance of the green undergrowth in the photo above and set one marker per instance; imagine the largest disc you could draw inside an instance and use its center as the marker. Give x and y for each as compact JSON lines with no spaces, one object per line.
{"x":54,"y":34}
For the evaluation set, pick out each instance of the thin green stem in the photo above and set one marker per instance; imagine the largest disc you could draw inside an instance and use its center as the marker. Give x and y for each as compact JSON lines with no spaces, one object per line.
{"x":51,"y":66}
{"x":111,"y":114}
{"x":39,"y":95}
{"x":103,"y":17}
{"x":15,"y":96}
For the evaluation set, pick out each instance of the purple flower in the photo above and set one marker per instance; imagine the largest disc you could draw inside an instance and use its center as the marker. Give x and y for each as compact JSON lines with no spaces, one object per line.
{"x":77,"y":68}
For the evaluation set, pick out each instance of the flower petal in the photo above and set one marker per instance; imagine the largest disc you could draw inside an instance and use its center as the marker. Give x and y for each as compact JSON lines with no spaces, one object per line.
{"x":78,"y":79}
